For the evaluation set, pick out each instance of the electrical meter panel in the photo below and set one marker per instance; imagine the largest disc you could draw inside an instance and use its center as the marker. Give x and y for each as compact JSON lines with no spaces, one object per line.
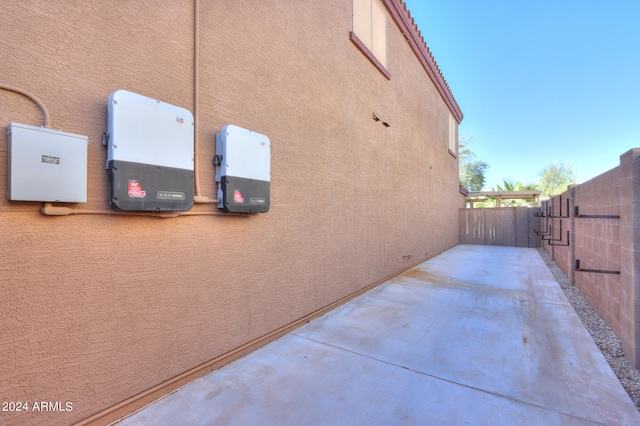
{"x":46,"y":165}
{"x":150,"y":154}
{"x":243,"y":170}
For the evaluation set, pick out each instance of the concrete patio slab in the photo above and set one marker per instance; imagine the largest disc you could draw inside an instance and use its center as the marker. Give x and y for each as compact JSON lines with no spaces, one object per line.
{"x":477,"y":335}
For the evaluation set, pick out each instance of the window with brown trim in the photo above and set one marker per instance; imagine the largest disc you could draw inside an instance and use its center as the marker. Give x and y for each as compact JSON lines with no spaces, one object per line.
{"x":369,"y":32}
{"x":453,"y":136}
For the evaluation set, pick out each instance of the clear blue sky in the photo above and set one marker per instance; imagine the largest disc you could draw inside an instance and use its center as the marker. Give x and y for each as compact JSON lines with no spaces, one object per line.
{"x":540,"y":81}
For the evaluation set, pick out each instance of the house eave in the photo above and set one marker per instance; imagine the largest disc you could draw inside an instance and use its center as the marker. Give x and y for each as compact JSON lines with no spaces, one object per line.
{"x":401,"y":16}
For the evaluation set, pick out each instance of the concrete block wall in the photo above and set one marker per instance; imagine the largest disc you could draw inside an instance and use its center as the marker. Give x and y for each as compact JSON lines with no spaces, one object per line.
{"x":556,"y":225}
{"x":605,"y":237}
{"x":629,"y":234}
{"x":598,"y":245}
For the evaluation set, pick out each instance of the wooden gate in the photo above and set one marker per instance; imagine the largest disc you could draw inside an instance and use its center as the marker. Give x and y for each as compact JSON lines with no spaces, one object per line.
{"x":503,"y":226}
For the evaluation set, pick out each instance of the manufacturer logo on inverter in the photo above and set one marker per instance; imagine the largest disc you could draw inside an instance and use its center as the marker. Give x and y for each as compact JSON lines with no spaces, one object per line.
{"x":134,"y":189}
{"x":50,"y":159}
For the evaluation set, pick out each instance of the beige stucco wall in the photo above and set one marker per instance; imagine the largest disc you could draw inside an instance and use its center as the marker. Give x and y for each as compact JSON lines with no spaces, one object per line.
{"x":95,"y":309}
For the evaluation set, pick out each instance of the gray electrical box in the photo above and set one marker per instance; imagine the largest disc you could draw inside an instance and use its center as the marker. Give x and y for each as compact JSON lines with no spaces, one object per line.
{"x":150,"y":154}
{"x":46,"y":165}
{"x":243,"y":170}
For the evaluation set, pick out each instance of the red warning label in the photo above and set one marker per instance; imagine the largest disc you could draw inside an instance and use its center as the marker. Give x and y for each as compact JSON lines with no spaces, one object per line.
{"x":135,"y":189}
{"x":237,"y":196}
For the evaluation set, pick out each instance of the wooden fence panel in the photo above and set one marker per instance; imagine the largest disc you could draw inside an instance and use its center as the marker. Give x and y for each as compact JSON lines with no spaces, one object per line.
{"x":504,"y":226}
{"x":522,"y":227}
{"x":501,"y":227}
{"x":472,"y":226}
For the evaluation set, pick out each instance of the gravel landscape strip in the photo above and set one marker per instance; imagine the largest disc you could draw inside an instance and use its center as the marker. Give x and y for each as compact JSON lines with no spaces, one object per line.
{"x":602,"y":334}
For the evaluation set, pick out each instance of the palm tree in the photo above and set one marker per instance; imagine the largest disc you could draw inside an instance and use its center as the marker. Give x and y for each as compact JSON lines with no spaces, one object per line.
{"x":518,"y":186}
